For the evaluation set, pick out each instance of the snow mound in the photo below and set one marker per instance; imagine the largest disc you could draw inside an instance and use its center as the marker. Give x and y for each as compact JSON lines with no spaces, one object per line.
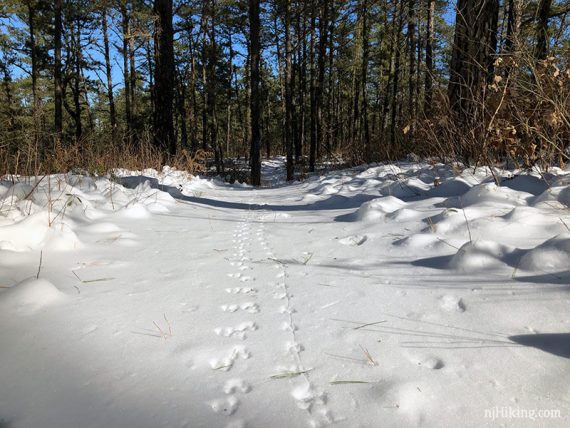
{"x":405,"y":214}
{"x":407,"y":188}
{"x":526,"y":183}
{"x":553,"y":254}
{"x":34,"y":233}
{"x":454,"y":187}
{"x":26,"y":234}
{"x":490,"y":194}
{"x":378,"y":208}
{"x":30,"y":295}
{"x":559,"y":194}
{"x":525,"y":215}
{"x":135,"y":211}
{"x":479,"y":256}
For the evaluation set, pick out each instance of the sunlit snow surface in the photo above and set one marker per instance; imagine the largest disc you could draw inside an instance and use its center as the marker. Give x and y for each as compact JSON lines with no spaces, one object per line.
{"x":392,"y":295}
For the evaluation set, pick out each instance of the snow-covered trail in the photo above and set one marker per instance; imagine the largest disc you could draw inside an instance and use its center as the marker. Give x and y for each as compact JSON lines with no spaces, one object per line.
{"x":337,"y":301}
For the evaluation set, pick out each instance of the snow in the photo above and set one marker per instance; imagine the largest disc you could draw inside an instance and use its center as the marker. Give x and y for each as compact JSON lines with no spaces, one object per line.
{"x":386,"y":295}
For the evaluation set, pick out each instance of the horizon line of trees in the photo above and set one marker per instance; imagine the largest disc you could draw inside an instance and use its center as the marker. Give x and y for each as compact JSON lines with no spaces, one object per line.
{"x":307,"y":79}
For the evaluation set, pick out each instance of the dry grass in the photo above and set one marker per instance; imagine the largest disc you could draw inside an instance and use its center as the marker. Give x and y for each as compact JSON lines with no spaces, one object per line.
{"x":33,"y":155}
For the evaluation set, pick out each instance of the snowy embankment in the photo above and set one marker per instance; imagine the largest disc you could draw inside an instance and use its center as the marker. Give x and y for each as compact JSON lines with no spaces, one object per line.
{"x":394,"y":295}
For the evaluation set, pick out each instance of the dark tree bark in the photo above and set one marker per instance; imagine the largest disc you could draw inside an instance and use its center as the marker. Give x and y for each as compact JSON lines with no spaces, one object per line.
{"x":76,"y":40}
{"x":133,"y":85}
{"x":542,"y":45}
{"x":181,"y":95}
{"x":34,"y":72}
{"x":229,"y":94}
{"x":396,"y":77}
{"x":392,"y":49}
{"x":205,"y":91}
{"x":320,"y":83}
{"x":126,"y":80}
{"x":313,"y":97}
{"x":301,"y":71}
{"x":254,"y":80}
{"x":58,"y":84}
{"x":211,"y":88}
{"x":514,"y":25}
{"x":428,"y":96}
{"x":365,"y":135}
{"x":474,"y":47}
{"x":109,"y":75}
{"x":288,"y":92}
{"x":149,"y":52}
{"x":330,"y":106}
{"x":412,"y":60}
{"x":8,"y":106}
{"x":164,"y":77}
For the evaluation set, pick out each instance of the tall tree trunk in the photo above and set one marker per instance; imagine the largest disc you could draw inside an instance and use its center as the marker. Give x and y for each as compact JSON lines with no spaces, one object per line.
{"x":150,"y":66}
{"x":205,"y":91}
{"x":312,"y":90}
{"x":109,"y":73}
{"x":319,"y":88}
{"x":330,"y":123}
{"x":181,"y":107}
{"x":76,"y":35}
{"x":395,"y":81}
{"x":193,"y":78}
{"x":365,"y":136}
{"x":34,"y":71}
{"x":133,"y":85}
{"x":428,"y":96}
{"x":254,"y":80}
{"x":281,"y":78}
{"x":392,"y":51}
{"x":412,"y":60}
{"x":164,"y":77}
{"x":58,"y":86}
{"x":301,"y":70}
{"x":126,"y":80}
{"x":8,"y":106}
{"x":474,"y":46}
{"x":230,"y":95}
{"x":288,"y":92}
{"x":212,"y":113}
{"x":542,"y":45}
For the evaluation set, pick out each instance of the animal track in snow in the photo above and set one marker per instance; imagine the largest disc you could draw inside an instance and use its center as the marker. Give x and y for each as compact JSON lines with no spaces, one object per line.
{"x":241,"y":290}
{"x":237,"y":331}
{"x":225,"y":364}
{"x":287,"y":326}
{"x":306,"y":397}
{"x":236,"y":385}
{"x":250,"y":307}
{"x":286,"y":310}
{"x":247,"y":278}
{"x":226,"y":406}
{"x":294,"y":347}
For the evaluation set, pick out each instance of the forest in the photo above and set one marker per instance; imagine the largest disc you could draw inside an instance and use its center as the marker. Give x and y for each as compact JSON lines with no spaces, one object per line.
{"x":96,"y":85}
{"x":284,"y":213}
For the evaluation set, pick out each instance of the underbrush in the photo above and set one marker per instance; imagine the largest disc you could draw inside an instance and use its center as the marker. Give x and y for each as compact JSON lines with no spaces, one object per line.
{"x":523,"y":121}
{"x":36,"y":155}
